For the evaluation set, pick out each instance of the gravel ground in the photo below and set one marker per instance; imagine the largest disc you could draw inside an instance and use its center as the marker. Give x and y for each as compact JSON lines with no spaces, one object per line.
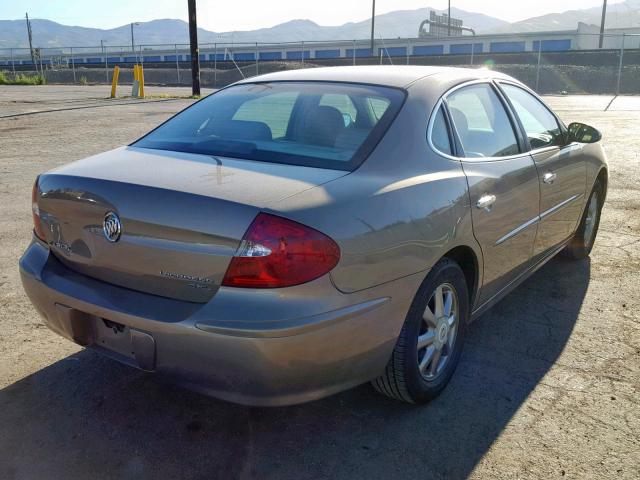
{"x":547,"y":386}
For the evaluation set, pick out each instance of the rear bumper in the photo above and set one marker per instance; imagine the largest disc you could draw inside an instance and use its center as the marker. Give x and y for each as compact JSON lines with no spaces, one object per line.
{"x":255,"y":347}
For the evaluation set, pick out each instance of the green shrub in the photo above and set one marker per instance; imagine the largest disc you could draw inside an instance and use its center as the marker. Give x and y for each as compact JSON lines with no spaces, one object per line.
{"x":83,"y":80}
{"x":21,"y":79}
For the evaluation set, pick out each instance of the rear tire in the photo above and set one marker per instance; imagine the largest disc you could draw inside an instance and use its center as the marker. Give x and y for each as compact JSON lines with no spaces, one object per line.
{"x":438,"y":317}
{"x":582,"y":242}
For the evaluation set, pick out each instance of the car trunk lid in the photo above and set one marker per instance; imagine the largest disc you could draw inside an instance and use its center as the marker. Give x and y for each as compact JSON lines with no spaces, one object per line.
{"x":182,"y":216}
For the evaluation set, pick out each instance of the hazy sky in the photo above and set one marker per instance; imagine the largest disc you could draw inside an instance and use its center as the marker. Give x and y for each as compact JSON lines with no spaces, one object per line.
{"x":228,"y":15}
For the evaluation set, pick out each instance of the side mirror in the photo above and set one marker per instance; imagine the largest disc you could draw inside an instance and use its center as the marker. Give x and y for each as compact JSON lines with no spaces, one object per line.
{"x":581,"y":133}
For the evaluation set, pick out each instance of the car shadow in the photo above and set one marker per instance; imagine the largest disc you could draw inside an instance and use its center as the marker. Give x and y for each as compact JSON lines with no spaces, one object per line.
{"x":86,"y":416}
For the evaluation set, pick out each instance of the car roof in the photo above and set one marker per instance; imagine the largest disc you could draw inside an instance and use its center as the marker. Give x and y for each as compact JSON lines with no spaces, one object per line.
{"x":399,"y":76}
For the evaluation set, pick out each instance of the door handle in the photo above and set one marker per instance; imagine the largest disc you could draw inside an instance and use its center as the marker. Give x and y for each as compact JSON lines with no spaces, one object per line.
{"x":485,"y":202}
{"x":549,"y":177}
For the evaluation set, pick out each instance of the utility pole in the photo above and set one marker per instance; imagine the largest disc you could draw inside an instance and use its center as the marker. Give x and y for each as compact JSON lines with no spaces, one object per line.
{"x":604,"y":16}
{"x":449,"y":20}
{"x":195,"y":52}
{"x":33,"y":58}
{"x":133,"y":46}
{"x":106,"y":61}
{"x":373,"y":25}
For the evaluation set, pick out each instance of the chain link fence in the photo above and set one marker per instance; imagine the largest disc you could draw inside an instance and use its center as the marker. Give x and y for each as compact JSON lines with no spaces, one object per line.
{"x":548,"y":62}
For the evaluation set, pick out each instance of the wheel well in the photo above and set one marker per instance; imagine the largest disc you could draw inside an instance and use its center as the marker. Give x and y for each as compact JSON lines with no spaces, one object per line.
{"x":466,"y":258}
{"x":603,"y":178}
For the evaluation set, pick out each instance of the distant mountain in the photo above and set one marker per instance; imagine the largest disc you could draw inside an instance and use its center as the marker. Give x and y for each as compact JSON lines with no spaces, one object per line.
{"x":400,"y":23}
{"x":51,"y":34}
{"x":619,"y":15}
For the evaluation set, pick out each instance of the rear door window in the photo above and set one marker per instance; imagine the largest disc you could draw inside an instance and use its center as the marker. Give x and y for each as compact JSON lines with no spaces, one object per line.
{"x":343,"y":104}
{"x":378,"y":106}
{"x":481,"y":122}
{"x":440,"y":133}
{"x":274,"y":110}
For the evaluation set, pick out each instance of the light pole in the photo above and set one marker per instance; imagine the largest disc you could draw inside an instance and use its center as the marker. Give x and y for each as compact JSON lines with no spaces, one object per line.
{"x":373,"y":24}
{"x":133,"y":45}
{"x":106,"y":61}
{"x":604,"y":16}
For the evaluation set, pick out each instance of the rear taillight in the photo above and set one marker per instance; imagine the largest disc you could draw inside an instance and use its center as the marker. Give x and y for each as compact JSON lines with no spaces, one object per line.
{"x":37,"y":222}
{"x":276,"y":252}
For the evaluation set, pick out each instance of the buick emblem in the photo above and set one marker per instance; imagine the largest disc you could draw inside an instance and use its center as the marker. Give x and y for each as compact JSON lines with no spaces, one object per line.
{"x":111,"y":227}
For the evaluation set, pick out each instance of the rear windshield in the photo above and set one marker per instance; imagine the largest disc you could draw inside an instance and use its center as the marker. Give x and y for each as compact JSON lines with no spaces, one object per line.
{"x":327,"y":125}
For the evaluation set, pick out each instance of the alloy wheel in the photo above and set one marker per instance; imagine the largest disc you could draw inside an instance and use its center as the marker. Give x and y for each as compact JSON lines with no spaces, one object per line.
{"x":438,"y":331}
{"x":591,"y":220}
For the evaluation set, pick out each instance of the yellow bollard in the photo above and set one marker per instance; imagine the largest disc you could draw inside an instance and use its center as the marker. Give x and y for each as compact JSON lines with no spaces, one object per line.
{"x":135,"y":87}
{"x":114,"y":82}
{"x":141,"y":80}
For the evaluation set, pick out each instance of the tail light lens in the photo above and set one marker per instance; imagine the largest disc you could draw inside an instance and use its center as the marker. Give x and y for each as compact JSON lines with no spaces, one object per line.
{"x":276,"y":252}
{"x":38,"y":228}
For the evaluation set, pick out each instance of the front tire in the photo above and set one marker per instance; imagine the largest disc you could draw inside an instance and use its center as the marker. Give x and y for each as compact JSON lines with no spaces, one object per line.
{"x":582,"y":242}
{"x":430,"y":343}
